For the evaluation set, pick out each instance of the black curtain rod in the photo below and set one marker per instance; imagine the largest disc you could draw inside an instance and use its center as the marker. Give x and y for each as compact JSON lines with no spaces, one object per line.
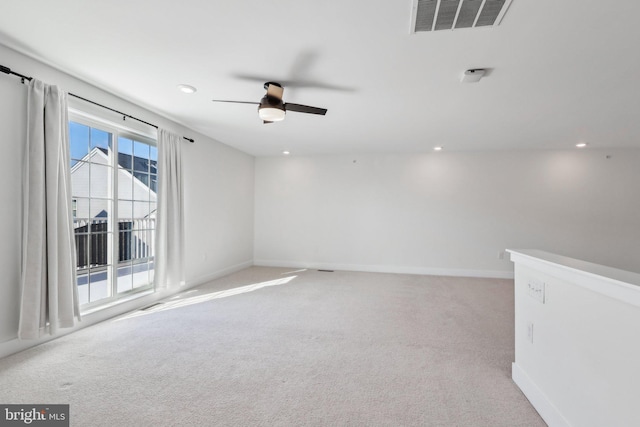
{"x":8,"y":70}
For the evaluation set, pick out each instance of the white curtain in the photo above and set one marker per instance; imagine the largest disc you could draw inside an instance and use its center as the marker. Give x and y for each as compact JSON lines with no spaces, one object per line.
{"x":169,"y":251}
{"x":49,"y":296}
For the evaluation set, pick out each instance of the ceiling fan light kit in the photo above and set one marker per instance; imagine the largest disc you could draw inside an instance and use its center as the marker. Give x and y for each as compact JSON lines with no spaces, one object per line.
{"x":270,"y":113}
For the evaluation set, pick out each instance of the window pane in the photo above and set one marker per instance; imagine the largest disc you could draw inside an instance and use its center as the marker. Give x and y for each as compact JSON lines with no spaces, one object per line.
{"x":99,"y":180}
{"x":138,"y":246}
{"x":80,"y":180}
{"x":125,"y":210}
{"x":153,"y":183}
{"x":125,"y":151}
{"x":138,"y":211}
{"x":149,"y":216}
{"x":82,"y":249}
{"x":125,"y":282}
{"x":79,"y":141}
{"x":140,"y":275}
{"x":100,"y":139}
{"x":153,"y":153}
{"x":141,"y":211}
{"x":153,"y":207}
{"x":141,"y":150}
{"x":99,"y":247}
{"x":124,"y":241}
{"x":100,"y":210}
{"x":81,"y":208}
{"x":140,"y":165}
{"x":83,"y":288}
{"x":141,"y":191}
{"x":125,"y":184}
{"x":141,"y":244}
{"x":98,"y":285}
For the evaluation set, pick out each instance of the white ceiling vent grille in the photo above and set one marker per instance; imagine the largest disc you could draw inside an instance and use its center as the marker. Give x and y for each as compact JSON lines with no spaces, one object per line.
{"x":434,"y":15}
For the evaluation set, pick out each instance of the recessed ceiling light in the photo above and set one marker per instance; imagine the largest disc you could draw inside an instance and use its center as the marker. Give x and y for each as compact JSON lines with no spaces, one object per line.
{"x":286,"y":153}
{"x":581,"y":144}
{"x":438,"y":148}
{"x":187,"y":88}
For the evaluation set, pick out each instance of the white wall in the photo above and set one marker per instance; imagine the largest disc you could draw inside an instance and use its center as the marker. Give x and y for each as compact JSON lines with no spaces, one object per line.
{"x":218,"y":193}
{"x":447,"y":213}
{"x":219,"y":209}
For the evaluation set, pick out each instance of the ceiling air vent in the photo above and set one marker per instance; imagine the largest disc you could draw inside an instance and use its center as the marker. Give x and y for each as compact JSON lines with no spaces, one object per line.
{"x":434,"y":15}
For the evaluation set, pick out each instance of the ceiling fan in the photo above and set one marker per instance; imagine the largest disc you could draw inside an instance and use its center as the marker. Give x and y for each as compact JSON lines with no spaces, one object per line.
{"x":271,"y":108}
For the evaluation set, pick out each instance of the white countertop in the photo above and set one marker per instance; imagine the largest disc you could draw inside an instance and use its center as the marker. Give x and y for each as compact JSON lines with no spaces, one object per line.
{"x":615,"y":283}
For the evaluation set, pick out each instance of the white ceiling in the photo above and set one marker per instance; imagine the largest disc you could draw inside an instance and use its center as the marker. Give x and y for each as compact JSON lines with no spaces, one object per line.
{"x":561,"y":71}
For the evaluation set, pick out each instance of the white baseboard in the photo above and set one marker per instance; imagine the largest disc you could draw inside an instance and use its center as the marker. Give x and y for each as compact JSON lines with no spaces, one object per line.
{"x":538,"y":399}
{"x":495,"y":274}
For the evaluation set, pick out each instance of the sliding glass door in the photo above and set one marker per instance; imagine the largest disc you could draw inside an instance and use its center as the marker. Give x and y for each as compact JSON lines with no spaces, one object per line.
{"x":113,"y":184}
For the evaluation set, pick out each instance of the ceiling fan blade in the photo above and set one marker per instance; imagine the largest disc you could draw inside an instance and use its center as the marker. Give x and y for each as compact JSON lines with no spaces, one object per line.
{"x":275,"y":91}
{"x":304,"y":109}
{"x":297,"y":83}
{"x":236,"y":102}
{"x":266,"y":122}
{"x":252,"y":77}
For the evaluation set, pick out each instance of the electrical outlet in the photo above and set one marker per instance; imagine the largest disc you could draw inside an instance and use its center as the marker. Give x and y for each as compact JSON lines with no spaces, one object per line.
{"x":530,"y":332}
{"x":536,"y":289}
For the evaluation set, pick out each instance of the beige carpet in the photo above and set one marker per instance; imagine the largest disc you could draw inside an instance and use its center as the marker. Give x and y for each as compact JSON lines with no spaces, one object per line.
{"x":271,"y":347}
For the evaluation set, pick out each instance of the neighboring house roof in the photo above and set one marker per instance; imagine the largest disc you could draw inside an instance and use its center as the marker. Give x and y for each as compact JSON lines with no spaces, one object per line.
{"x":137,"y":164}
{"x":127,"y":162}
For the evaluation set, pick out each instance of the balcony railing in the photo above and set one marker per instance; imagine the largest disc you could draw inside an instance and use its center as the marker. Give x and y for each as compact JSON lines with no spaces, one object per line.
{"x":134,"y":266}
{"x":135,"y":241}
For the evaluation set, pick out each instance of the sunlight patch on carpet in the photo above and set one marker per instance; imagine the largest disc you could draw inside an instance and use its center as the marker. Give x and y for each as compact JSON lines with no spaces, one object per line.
{"x":181,"y":301}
